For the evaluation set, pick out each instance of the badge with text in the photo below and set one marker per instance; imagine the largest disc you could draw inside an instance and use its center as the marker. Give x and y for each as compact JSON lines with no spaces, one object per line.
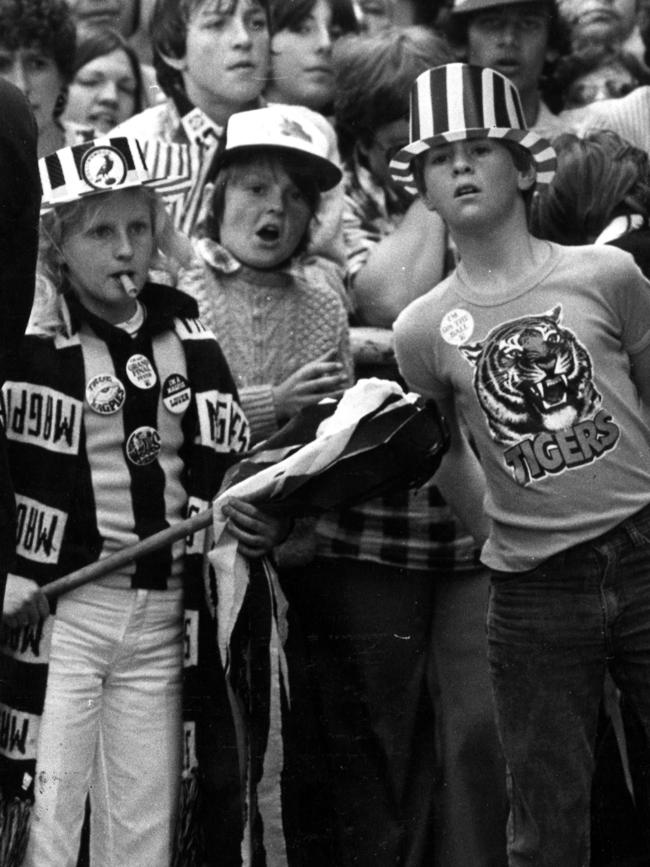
{"x":105,"y":394}
{"x":140,"y":371}
{"x":457,"y":326}
{"x":176,"y":393}
{"x":143,"y":446}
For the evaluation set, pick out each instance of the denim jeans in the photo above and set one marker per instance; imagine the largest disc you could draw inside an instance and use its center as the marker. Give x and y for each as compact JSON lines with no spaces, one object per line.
{"x":111,"y":728}
{"x":552,"y":633}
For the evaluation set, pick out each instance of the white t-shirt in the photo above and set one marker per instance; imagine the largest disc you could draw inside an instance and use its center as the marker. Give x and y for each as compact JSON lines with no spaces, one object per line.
{"x":541,"y":375}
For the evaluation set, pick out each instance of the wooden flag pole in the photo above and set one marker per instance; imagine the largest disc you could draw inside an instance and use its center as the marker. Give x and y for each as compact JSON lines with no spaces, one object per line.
{"x":127,"y":555}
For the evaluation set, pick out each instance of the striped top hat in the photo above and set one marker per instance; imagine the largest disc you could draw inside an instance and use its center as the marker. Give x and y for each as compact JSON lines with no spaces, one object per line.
{"x":98,"y":166}
{"x":458,"y":101}
{"x":284,"y":128}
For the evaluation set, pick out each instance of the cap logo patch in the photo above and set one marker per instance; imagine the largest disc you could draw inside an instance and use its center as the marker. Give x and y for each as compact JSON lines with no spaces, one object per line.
{"x":293,"y":128}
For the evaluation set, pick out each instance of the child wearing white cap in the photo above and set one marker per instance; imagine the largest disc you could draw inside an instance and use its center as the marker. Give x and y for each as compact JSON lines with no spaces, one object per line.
{"x":121,"y":416}
{"x":277,"y":312}
{"x":544,"y":352}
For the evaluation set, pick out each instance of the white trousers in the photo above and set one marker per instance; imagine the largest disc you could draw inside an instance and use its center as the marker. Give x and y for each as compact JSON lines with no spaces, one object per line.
{"x":111,"y":729}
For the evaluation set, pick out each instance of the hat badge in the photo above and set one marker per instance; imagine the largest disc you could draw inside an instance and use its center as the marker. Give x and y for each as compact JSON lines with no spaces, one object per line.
{"x":293,"y":128}
{"x":103,"y":168}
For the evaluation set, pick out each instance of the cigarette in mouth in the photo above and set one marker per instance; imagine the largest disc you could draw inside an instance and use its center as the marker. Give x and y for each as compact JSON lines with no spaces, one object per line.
{"x":128,"y":285}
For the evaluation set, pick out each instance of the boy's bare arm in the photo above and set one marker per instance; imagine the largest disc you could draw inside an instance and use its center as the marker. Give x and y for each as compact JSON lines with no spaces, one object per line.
{"x":460,"y":478}
{"x":401,"y":267}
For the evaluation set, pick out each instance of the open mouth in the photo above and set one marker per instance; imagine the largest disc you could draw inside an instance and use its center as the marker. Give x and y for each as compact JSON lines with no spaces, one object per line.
{"x":465,"y":190}
{"x":551,"y":392}
{"x":268,"y":233}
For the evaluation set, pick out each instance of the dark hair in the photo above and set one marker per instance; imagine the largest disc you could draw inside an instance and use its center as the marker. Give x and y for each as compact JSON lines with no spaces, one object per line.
{"x":44,"y":24}
{"x":374,"y":76}
{"x":168,"y":35}
{"x":455,"y":26}
{"x":290,"y":14}
{"x":238,"y":165}
{"x":572,"y":67}
{"x":598,"y":177}
{"x":98,"y":43}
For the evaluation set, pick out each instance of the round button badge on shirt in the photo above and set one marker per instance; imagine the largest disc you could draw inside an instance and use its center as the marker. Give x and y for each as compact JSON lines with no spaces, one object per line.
{"x":143,"y":446}
{"x":105,"y":394}
{"x":140,"y":371}
{"x":176,"y":393}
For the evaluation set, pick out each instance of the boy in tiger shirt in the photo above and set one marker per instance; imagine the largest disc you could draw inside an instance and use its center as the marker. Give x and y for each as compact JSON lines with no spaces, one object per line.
{"x":543,"y":351}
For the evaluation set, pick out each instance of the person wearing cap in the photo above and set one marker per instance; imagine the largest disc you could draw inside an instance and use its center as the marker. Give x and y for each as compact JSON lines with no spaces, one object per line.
{"x":518,"y":38}
{"x":20,"y":196}
{"x":278,"y":313}
{"x":544,"y":352}
{"x":121,"y":416}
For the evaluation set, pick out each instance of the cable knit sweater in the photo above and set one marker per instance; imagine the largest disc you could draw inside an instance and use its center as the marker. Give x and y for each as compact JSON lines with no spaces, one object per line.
{"x":268,"y":323}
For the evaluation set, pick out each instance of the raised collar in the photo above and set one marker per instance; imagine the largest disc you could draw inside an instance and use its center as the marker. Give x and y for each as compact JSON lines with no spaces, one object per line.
{"x":162,"y":303}
{"x":224,"y":262}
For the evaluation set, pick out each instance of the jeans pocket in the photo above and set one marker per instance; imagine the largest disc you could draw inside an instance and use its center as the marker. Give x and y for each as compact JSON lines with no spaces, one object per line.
{"x":638,"y":528}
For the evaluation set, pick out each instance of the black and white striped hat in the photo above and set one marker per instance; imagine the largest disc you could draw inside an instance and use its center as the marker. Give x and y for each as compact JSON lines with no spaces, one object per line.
{"x":101,"y":165}
{"x":458,"y":101}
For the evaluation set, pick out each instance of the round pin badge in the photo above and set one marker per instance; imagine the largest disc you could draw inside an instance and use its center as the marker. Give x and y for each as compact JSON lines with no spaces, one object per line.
{"x":103,"y":167}
{"x":143,"y":446}
{"x":140,"y":371}
{"x":176,"y":393}
{"x":457,"y":326}
{"x":105,"y":394}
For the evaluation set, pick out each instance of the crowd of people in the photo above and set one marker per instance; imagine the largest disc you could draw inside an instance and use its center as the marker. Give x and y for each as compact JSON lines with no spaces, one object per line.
{"x":217,"y":214}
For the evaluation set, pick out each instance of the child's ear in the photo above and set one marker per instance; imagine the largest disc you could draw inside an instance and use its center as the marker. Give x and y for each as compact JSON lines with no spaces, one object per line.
{"x":527,"y":179}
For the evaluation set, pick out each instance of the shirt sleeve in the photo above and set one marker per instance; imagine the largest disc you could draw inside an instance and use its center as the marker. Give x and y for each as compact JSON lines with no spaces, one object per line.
{"x":415,"y":351}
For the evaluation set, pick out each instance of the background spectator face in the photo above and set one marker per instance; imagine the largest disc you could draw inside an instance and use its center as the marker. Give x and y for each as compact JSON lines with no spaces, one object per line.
{"x":37,"y":45}
{"x":301,"y":52}
{"x":609,"y":81}
{"x":601,"y":21}
{"x":120,"y":14}
{"x":106,"y":90}
{"x":513,"y":40}
{"x":388,"y":139}
{"x":36,"y":75}
{"x":378,"y":14}
{"x":226,"y":54}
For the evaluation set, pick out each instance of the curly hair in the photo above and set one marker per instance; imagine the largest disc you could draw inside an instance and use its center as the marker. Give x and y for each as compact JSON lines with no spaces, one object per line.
{"x":373,"y":79}
{"x":598,"y":177}
{"x":44,"y":24}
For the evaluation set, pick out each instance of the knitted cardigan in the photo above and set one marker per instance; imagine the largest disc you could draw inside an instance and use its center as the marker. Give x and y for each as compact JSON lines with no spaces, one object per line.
{"x":42,"y":411}
{"x":269,"y":323}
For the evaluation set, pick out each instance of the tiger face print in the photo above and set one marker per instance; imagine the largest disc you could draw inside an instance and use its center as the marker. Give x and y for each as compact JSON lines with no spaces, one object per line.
{"x":532,"y":375}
